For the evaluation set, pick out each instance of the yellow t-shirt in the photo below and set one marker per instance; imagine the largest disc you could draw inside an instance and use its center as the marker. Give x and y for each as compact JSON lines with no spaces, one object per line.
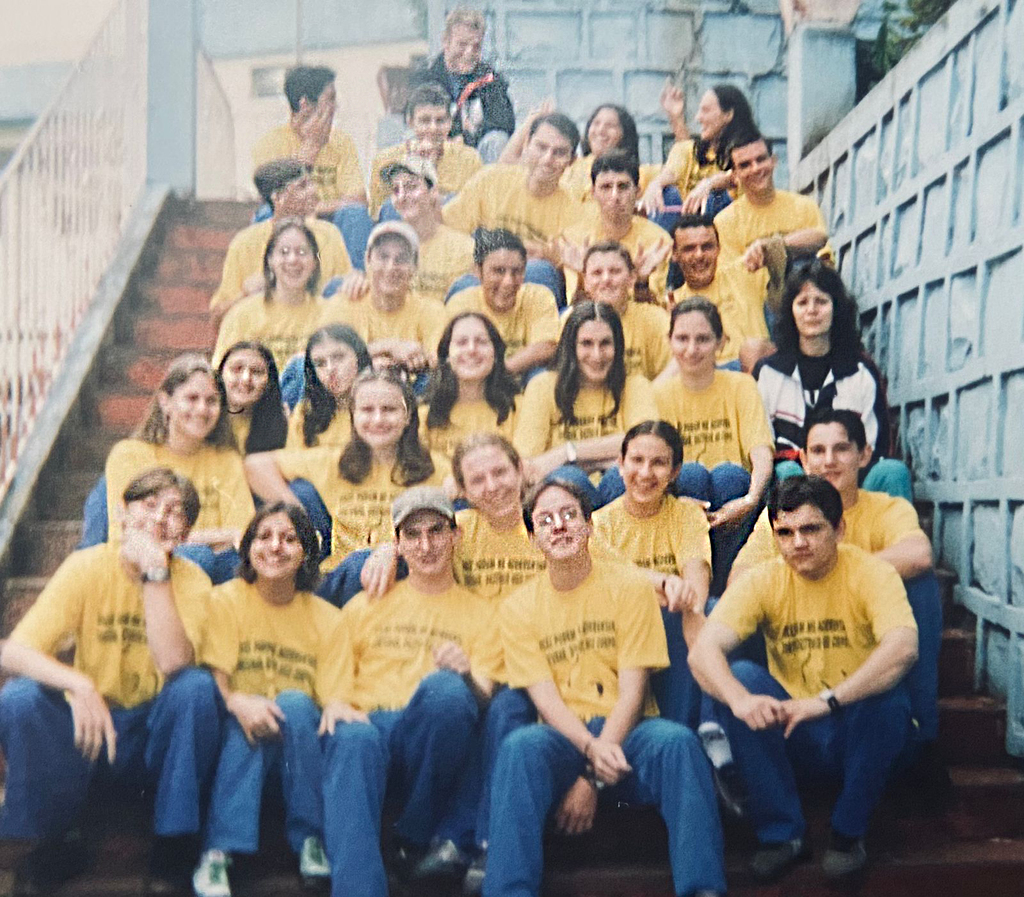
{"x":337,"y":434}
{"x":645,"y":332}
{"x":92,"y":599}
{"x":741,"y":222}
{"x":497,"y":196}
{"x":739,"y":297}
{"x":388,"y":644}
{"x":465,"y":419}
{"x":682,"y":162}
{"x":582,"y":638}
{"x":419,"y":320}
{"x":240,"y":425}
{"x":245,"y":257}
{"x":539,"y":424}
{"x":665,"y":542}
{"x":266,"y":649}
{"x":360,"y":512}
{"x":817,"y":633}
{"x":533,"y":319}
{"x":336,"y":170}
{"x":875,"y":522}
{"x":283,"y":329}
{"x":458,"y":163}
{"x":491,"y":563}
{"x":577,"y":182}
{"x":722,"y":423}
{"x":641,"y":233}
{"x":225,"y":501}
{"x":443,"y":259}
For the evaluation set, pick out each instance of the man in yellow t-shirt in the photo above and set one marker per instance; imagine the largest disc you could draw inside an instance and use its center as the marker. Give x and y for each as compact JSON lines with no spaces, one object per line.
{"x":286,"y":186}
{"x":420,"y":665}
{"x":136,"y":615}
{"x":886,"y":526}
{"x":582,"y":639}
{"x":840,"y":637}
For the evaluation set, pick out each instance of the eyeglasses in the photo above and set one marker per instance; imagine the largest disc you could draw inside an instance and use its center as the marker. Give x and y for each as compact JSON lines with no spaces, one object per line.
{"x":566,"y":517}
{"x":301,"y":252}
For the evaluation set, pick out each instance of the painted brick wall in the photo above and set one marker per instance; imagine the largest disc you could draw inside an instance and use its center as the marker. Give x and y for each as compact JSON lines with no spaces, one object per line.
{"x":922,"y":187}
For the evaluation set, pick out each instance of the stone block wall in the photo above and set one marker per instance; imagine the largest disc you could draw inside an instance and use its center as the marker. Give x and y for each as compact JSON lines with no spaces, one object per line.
{"x":923,"y":187}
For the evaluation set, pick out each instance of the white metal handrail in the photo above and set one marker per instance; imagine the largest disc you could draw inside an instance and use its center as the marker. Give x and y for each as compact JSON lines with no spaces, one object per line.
{"x":65,"y":197}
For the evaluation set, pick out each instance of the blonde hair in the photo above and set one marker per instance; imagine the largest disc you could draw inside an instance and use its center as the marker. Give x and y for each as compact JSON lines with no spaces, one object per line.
{"x":468,"y":18}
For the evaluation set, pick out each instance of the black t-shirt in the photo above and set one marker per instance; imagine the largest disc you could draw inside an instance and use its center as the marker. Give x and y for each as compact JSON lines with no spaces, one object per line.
{"x":813,"y":371}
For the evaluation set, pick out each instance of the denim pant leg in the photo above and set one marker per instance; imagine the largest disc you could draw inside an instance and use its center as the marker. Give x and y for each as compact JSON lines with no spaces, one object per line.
{"x":95,"y":522}
{"x":47,"y":778}
{"x":922,"y":682}
{"x":536,"y":765}
{"x":728,"y":481}
{"x":181,"y":752}
{"x":342,"y":584}
{"x":547,"y":275}
{"x":355,"y":776}
{"x":671,"y":772}
{"x":890,"y":476}
{"x":694,"y":481}
{"x":462,"y":283}
{"x":611,"y":486}
{"x":675,"y":689}
{"x":579,"y":478}
{"x":302,"y":768}
{"x":220,"y":566}
{"x":293,"y":382}
{"x":316,"y":510}
{"x":354,"y":222}
{"x":671,"y":197}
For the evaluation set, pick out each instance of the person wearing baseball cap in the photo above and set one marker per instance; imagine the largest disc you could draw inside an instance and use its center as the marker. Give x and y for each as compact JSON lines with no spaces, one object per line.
{"x":421,"y":668}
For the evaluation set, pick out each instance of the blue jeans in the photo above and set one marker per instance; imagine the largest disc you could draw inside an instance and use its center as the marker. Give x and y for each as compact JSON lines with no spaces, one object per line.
{"x":293,"y":381}
{"x":233,"y":822}
{"x":922,"y":680}
{"x":856,"y":747}
{"x":316,"y":510}
{"x":169,"y":743}
{"x":421,"y":749}
{"x":536,"y":766}
{"x":537,"y":271}
{"x":716,"y":201}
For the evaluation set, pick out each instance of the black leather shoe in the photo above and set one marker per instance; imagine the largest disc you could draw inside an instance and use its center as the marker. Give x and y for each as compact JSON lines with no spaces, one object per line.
{"x":772,"y":861}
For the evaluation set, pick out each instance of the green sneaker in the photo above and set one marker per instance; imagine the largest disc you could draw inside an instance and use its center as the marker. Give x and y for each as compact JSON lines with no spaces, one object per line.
{"x":312,"y":860}
{"x":211,"y":876}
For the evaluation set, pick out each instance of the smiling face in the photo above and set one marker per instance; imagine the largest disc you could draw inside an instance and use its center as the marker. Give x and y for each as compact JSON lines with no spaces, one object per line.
{"x":559,"y":528}
{"x":192,"y":409}
{"x":501,"y":277}
{"x":471,"y":352}
{"x":379,"y":414}
{"x":463,"y":47}
{"x":292,"y":260}
{"x":492,"y":483}
{"x":276,"y":551}
{"x":411,"y":195}
{"x":595,"y":352}
{"x":830,"y":453}
{"x":160,"y":515}
{"x":812,"y":312}
{"x":431,"y":124}
{"x":754,"y":167}
{"x":696,"y":252}
{"x":607,"y":278}
{"x":335,"y":364}
{"x":391,"y":265}
{"x":245,"y":376}
{"x":297,"y":198}
{"x":647,"y":468}
{"x":548,"y":154}
{"x":711,"y":119}
{"x":693,"y":343}
{"x":615,"y":194}
{"x":605,"y":131}
{"x":426,"y":540}
{"x":807,"y":541}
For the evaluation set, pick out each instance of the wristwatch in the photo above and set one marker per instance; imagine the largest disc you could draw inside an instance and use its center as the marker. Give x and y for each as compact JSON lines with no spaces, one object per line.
{"x":829,"y":697}
{"x":156,"y":574}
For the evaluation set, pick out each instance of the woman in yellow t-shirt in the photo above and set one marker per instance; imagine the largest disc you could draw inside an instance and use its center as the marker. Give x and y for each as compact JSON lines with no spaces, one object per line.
{"x":351,"y":506}
{"x":289,"y":310}
{"x":574,"y":417}
{"x":270,"y":644}
{"x":335,"y":355}
{"x":253,"y":394}
{"x":471,"y":390}
{"x":187,"y":429}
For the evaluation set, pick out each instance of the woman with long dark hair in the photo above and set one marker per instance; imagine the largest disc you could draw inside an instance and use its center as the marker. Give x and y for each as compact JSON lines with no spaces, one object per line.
{"x":253,"y":393}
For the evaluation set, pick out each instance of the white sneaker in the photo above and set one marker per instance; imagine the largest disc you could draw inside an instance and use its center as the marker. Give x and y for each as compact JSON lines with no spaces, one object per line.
{"x":211,"y":876}
{"x":312,"y":860}
{"x":715,"y":743}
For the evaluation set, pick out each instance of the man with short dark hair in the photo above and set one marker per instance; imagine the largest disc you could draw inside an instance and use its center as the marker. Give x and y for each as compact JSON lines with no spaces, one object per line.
{"x":840,"y":637}
{"x":582,"y":639}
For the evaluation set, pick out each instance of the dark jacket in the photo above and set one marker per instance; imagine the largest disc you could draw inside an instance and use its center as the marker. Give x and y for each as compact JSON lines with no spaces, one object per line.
{"x":485,"y":107}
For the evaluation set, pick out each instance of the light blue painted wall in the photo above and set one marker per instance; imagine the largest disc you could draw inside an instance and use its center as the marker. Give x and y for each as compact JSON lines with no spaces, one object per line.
{"x":923,"y":187}
{"x":171,"y":125}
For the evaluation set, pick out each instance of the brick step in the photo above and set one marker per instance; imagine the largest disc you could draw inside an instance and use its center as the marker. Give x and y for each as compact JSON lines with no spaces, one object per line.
{"x":182,"y":333}
{"x":972,"y":730}
{"x":85,"y":448}
{"x":956,"y":663}
{"x":217,"y":213}
{"x":190,"y":235}
{"x":20,"y":593}
{"x":176,"y":297}
{"x":139,"y":369}
{"x":61,"y":496}
{"x":191,"y":267}
{"x":121,"y":411}
{"x":41,"y":546}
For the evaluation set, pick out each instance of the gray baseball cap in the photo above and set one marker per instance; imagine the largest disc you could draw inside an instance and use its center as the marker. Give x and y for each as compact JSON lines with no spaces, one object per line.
{"x":421,"y":498}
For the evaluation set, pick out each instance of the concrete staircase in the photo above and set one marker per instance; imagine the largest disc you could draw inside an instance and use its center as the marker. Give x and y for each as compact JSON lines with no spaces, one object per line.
{"x":927,"y":840}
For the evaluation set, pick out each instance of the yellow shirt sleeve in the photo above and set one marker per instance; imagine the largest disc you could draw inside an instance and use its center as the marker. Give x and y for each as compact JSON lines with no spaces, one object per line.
{"x":740,"y":608}
{"x":899,"y":521}
{"x":691,"y":532}
{"x":533,"y":421}
{"x":525,"y":663}
{"x":760,"y":544}
{"x":465,"y":211}
{"x":332,"y":659}
{"x":754,"y":428}
{"x":886,"y":598}
{"x":486,"y":655}
{"x":639,"y":627}
{"x":57,"y":612}
{"x":541,"y":311}
{"x":233,"y":275}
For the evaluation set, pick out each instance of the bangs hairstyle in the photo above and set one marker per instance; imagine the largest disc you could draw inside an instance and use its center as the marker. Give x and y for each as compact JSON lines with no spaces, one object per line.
{"x":730,"y":99}
{"x":155,"y":480}
{"x":276,"y":175}
{"x":308,"y":574}
{"x":550,"y":481}
{"x":629,"y":142}
{"x":413,"y":463}
{"x":561,"y":123}
{"x":794,"y":492}
{"x":567,"y":366}
{"x":667,"y":434}
{"x":608,"y":246}
{"x":280,"y":227}
{"x":617,"y":161}
{"x":849,"y":420}
{"x":429,"y":94}
{"x":844,"y":335}
{"x":154,"y":428}
{"x":701,"y":305}
{"x":500,"y":386}
{"x":481,"y":440}
{"x":319,"y":405}
{"x":268,"y":427}
{"x":487,"y":241}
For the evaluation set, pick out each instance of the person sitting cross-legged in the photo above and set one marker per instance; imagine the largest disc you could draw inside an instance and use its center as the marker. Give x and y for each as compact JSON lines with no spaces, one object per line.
{"x":133,"y":707}
{"x":581,"y":638}
{"x":840,"y":637}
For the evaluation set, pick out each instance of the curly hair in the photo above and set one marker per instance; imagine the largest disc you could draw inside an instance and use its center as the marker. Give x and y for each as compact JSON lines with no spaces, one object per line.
{"x":567,"y":366}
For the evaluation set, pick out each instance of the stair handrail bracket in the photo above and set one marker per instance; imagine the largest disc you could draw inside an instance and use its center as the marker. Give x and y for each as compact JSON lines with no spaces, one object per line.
{"x":65,"y":200}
